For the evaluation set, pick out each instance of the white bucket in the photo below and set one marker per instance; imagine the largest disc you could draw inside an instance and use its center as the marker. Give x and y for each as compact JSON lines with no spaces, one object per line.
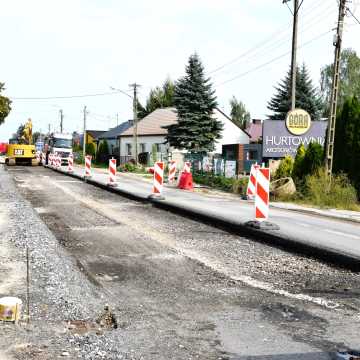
{"x":10,"y":308}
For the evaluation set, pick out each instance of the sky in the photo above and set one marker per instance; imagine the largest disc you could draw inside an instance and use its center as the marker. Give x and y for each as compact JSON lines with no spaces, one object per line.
{"x":63,"y":48}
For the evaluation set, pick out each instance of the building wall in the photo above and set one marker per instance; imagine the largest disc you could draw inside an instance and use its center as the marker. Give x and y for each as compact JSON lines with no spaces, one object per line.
{"x":231,"y":134}
{"x":148,"y":142}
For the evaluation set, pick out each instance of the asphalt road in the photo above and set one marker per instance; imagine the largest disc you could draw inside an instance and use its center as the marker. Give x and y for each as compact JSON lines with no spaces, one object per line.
{"x":316,"y":231}
{"x":185,"y":290}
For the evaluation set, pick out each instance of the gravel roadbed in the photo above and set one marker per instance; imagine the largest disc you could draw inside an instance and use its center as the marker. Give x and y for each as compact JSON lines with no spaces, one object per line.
{"x":59,"y":292}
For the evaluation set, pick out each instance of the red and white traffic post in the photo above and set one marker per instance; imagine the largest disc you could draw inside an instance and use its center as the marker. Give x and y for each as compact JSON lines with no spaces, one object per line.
{"x":251,"y":188}
{"x":70,"y":167}
{"x":172,"y":171}
{"x":87,"y":166}
{"x":262,"y":194}
{"x":112,"y":172}
{"x":158,"y":181}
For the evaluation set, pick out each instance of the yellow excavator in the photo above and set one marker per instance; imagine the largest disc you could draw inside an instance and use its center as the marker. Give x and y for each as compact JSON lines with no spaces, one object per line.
{"x":21,"y":149}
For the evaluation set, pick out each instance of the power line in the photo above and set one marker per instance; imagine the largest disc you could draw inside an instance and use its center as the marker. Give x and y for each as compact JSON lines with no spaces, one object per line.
{"x":284,"y":40}
{"x":264,"y":42}
{"x":63,"y":97}
{"x":353,"y":15}
{"x":273,"y":60}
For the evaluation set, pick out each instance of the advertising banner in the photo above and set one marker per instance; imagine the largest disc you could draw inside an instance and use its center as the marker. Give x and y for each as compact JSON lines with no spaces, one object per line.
{"x":282,"y":138}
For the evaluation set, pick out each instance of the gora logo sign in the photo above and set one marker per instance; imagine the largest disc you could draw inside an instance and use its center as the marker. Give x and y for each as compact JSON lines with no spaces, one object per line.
{"x":298,"y":121}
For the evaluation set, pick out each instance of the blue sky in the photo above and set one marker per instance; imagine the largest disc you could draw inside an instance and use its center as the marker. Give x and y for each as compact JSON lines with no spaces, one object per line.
{"x":62,"y":48}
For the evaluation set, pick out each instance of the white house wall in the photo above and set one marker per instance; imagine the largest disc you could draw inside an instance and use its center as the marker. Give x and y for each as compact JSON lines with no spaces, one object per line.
{"x":231,"y":134}
{"x":147,"y":140}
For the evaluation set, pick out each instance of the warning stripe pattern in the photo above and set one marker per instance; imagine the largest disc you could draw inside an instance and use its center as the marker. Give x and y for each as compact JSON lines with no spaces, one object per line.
{"x":158,"y":177}
{"x":112,"y":170}
{"x":88,"y":165}
{"x":187,"y":167}
{"x":172,"y":170}
{"x":262,"y":194}
{"x":70,"y":163}
{"x":251,"y":188}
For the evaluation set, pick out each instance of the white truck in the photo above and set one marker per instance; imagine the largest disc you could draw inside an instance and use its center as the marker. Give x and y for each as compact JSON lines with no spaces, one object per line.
{"x":59,"y":143}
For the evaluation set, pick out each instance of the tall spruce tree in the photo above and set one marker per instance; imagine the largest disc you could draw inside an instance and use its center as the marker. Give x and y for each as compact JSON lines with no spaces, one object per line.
{"x":307,"y":96}
{"x":196,"y":130}
{"x":347,"y":141}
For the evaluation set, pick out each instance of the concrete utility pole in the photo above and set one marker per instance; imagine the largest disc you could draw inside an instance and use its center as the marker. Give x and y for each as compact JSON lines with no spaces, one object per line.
{"x":84,"y":138}
{"x":135,"y":86}
{"x":295,"y":14}
{"x":49,"y":129}
{"x":61,"y":120}
{"x":335,"y":89}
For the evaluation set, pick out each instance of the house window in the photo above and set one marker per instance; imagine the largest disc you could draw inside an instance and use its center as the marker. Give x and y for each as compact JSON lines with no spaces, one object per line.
{"x":159,"y":148}
{"x":252,"y":155}
{"x":142,"y":148}
{"x":128,"y":149}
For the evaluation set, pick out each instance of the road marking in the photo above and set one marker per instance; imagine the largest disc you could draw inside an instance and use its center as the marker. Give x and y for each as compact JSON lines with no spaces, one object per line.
{"x":41,"y":210}
{"x":351,"y":236}
{"x":303,"y":224}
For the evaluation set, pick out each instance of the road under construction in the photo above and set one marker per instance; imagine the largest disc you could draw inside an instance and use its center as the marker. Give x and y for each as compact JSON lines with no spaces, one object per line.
{"x":180,"y":288}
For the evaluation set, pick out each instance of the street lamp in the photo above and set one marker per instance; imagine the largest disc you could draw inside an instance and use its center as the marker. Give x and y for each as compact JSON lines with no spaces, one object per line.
{"x":134,"y":99}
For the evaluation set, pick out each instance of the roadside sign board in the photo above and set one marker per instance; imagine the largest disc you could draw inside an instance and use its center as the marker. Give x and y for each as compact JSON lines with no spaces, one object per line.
{"x":278,"y":141}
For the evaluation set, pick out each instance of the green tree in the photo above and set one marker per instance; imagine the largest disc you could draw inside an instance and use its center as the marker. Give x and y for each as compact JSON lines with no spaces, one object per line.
{"x":299,"y":163}
{"x":306,"y":98}
{"x":347,"y":141}
{"x":4,"y":105}
{"x":195,"y":101}
{"x":349,"y":79}
{"x":159,"y":97}
{"x":90,"y":149}
{"x":239,"y":114}
{"x":102,"y":154}
{"x":313,"y":159}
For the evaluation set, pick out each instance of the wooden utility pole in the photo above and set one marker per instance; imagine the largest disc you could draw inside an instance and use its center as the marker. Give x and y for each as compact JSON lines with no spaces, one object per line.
{"x":335,"y":89}
{"x":84,"y":139}
{"x":295,"y":14}
{"x":293,"y":55}
{"x":61,"y":120}
{"x":135,"y":86}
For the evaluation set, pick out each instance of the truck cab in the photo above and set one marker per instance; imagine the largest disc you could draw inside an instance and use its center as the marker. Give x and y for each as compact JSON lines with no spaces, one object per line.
{"x":61,"y":144}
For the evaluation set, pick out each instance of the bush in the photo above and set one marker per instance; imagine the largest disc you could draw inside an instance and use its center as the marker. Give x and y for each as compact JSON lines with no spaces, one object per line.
{"x":299,"y":163}
{"x":285,"y":168}
{"x":237,"y":186}
{"x":313,"y":159}
{"x":102,"y":155}
{"x":78,"y":157}
{"x":338,"y":194}
{"x":90,"y":149}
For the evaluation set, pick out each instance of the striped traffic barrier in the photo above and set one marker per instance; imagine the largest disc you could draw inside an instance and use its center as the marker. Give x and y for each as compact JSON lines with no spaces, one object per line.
{"x":251,"y":188}
{"x":38,"y":157}
{"x":158,"y":181}
{"x":58,"y":161}
{"x":112,"y":172}
{"x":88,"y":166}
{"x":70,"y":167}
{"x":262,"y":194}
{"x":187,"y":167}
{"x":172,"y":170}
{"x":43,"y":159}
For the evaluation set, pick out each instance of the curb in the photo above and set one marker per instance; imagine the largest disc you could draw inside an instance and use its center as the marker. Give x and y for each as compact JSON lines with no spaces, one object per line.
{"x":327,"y":255}
{"x":315,"y":213}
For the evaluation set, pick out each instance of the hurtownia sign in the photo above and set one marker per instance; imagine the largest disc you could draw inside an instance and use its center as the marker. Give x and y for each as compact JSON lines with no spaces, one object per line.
{"x":281,"y":138}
